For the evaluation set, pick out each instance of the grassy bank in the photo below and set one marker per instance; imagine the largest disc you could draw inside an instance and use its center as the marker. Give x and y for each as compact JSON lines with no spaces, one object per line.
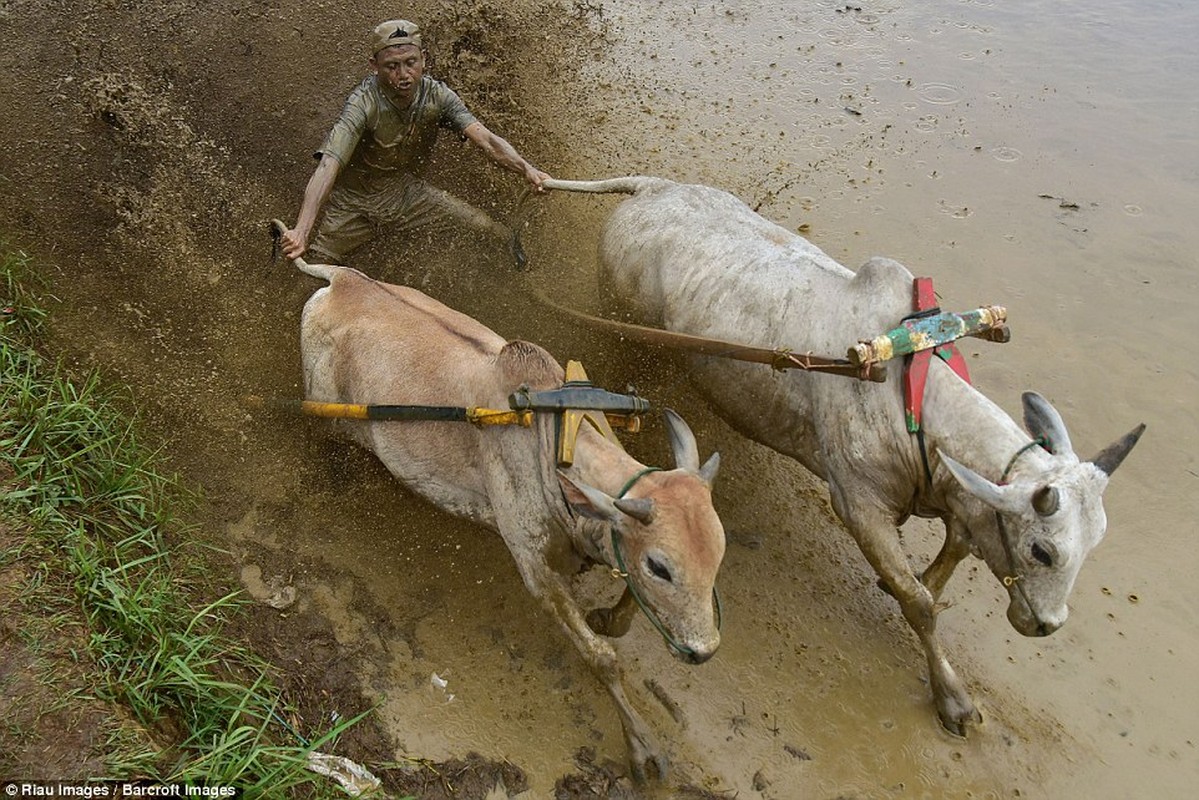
{"x":109,"y":630}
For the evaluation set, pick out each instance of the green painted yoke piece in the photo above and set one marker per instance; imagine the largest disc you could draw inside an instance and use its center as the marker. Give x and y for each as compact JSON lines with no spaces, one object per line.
{"x":926,"y":333}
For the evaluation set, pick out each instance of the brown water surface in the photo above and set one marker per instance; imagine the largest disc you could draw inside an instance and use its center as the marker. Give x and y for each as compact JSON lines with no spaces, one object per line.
{"x":1044,"y":157}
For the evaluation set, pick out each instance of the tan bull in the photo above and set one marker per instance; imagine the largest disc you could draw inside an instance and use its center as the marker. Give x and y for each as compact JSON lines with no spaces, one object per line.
{"x":364,"y":341}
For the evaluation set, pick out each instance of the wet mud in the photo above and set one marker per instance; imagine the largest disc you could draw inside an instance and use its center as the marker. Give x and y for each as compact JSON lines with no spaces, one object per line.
{"x":147,"y":147}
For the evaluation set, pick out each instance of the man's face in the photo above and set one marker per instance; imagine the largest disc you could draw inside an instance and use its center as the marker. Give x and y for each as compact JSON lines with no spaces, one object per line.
{"x":400,"y":69}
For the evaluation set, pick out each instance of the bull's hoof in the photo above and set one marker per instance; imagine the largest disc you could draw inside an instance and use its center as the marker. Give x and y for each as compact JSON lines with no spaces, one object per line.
{"x":960,"y":721}
{"x":649,"y":766}
{"x":647,"y":760}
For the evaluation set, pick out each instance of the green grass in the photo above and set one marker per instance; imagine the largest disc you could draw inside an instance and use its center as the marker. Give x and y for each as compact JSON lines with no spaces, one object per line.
{"x":101,"y":516}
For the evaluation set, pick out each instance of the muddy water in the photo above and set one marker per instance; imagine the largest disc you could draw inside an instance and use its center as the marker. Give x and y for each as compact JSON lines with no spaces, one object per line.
{"x":1045,"y":158}
{"x":926,"y":135}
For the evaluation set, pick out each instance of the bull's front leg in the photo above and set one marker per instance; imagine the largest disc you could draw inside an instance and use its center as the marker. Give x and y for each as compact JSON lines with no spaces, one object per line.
{"x":535,"y":545}
{"x":874,"y":533}
{"x":645,"y":755}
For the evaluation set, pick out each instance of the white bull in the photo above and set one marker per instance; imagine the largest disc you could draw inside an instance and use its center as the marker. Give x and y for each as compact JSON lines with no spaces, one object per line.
{"x":696,"y":260}
{"x":367,"y":342}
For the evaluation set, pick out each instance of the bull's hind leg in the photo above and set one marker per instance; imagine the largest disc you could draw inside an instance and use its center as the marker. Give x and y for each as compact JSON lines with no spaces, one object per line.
{"x":875,"y":534}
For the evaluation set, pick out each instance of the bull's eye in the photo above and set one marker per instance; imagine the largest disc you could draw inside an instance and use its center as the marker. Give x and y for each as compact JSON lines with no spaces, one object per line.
{"x":1040,"y":554}
{"x":658,"y":569}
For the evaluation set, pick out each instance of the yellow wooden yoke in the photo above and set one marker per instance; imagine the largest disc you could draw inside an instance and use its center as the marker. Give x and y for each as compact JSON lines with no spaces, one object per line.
{"x":576,"y":401}
{"x":387,"y":413}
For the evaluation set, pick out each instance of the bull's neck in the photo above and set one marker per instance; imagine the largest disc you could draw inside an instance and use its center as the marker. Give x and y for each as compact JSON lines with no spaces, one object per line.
{"x":963,"y":423}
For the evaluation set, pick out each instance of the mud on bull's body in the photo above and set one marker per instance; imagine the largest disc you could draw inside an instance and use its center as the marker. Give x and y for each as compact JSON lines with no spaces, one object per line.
{"x":696,"y":260}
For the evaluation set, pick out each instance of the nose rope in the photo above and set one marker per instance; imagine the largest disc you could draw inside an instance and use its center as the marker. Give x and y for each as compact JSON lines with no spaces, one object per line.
{"x":620,"y":571}
{"x":1014,"y":578}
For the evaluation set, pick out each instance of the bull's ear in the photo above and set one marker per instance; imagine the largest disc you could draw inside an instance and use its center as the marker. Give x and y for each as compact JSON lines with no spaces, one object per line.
{"x":587,"y":501}
{"x":1001,"y":498}
{"x":1043,"y":422}
{"x":682,"y":442}
{"x":1113,"y":455}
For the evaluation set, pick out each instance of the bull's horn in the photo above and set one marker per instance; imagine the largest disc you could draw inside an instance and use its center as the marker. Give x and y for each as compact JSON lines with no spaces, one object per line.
{"x":682,"y":442}
{"x":1045,"y":500}
{"x":1114,"y":453}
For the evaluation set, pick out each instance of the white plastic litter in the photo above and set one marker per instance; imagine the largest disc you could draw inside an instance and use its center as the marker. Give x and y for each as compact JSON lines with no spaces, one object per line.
{"x":441,"y":683}
{"x":354,"y":778}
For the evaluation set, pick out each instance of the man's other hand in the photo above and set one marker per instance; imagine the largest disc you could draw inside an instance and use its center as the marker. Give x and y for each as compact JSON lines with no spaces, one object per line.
{"x":535,"y":177}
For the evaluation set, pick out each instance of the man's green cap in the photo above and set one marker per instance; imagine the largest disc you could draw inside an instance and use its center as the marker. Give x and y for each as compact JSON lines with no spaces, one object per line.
{"x":393,"y":32}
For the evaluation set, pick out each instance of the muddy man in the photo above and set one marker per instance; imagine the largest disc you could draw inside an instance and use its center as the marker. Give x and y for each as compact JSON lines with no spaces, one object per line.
{"x":370,"y":168}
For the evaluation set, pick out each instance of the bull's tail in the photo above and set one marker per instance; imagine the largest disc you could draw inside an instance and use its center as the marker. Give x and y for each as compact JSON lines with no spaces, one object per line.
{"x":631,"y":184}
{"x":322,"y":271}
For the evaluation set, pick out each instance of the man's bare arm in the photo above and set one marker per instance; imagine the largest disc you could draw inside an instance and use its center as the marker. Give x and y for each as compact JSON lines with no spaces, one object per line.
{"x":295,"y":241}
{"x":502,"y":153}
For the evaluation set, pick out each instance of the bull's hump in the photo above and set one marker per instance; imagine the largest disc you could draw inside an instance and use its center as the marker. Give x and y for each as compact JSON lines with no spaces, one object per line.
{"x":525,"y":362}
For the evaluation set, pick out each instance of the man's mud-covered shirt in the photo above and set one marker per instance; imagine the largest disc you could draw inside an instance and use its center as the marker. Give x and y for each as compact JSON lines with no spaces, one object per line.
{"x":373,"y":139}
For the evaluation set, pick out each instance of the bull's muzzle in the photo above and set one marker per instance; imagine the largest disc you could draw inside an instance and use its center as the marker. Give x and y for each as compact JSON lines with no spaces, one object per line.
{"x":694,"y":655}
{"x":1030,"y":623}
